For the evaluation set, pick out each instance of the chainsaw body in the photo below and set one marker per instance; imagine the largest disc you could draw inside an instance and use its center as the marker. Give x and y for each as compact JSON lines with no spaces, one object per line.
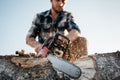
{"x":58,"y":45}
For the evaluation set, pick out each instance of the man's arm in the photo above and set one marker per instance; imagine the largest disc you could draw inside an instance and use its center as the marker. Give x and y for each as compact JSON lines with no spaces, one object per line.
{"x":31,"y":38}
{"x":32,"y":34}
{"x":33,"y":43}
{"x":73,"y":29}
{"x":73,"y":34}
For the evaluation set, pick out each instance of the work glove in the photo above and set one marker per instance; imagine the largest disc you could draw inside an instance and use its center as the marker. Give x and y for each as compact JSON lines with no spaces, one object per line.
{"x":43,"y":52}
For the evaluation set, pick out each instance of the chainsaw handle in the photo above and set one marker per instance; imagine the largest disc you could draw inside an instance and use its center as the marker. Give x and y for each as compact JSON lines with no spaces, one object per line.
{"x":58,"y":35}
{"x":47,"y":42}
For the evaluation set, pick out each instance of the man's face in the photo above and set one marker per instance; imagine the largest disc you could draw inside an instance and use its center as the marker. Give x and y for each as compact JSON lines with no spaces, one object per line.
{"x":58,"y":5}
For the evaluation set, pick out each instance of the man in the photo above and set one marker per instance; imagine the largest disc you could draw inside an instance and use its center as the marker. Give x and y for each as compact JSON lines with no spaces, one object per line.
{"x":48,"y":23}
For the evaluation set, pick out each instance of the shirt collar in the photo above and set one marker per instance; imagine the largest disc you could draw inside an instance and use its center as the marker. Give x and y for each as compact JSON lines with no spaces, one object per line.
{"x":48,"y":13}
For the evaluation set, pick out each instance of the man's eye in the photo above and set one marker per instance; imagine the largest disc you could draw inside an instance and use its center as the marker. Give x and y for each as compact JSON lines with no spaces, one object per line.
{"x":63,"y":1}
{"x":57,"y":0}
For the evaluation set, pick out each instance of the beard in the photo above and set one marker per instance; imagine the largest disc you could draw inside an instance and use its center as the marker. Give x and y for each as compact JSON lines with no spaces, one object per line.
{"x":57,"y":11}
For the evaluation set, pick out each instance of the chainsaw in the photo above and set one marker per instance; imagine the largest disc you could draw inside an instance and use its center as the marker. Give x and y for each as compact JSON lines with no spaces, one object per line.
{"x":55,"y":48}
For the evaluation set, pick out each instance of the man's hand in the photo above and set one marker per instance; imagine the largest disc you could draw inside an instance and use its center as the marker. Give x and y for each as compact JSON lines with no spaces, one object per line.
{"x":33,"y":43}
{"x":43,"y":52}
{"x":37,"y":48}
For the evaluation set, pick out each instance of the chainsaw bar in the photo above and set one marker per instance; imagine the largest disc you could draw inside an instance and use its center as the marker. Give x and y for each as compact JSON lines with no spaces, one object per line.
{"x":65,"y":66}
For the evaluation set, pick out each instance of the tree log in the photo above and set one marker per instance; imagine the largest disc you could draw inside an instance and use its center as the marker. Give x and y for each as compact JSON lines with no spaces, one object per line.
{"x":21,"y":68}
{"x":101,"y":66}
{"x":108,"y":65}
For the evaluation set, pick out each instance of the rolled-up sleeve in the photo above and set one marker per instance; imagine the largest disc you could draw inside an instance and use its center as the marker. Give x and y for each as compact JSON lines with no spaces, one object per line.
{"x":33,"y":31}
{"x":71,"y":24}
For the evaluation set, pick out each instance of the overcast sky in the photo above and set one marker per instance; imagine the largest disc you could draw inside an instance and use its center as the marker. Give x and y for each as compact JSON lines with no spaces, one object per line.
{"x":99,"y":21}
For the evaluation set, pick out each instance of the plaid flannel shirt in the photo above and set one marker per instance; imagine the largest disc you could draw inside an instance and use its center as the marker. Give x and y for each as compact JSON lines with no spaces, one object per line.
{"x":43,"y":26}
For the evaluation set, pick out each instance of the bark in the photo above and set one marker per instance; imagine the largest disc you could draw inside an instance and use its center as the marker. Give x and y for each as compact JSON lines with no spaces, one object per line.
{"x":101,"y":66}
{"x":12,"y":68}
{"x":108,"y":65}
